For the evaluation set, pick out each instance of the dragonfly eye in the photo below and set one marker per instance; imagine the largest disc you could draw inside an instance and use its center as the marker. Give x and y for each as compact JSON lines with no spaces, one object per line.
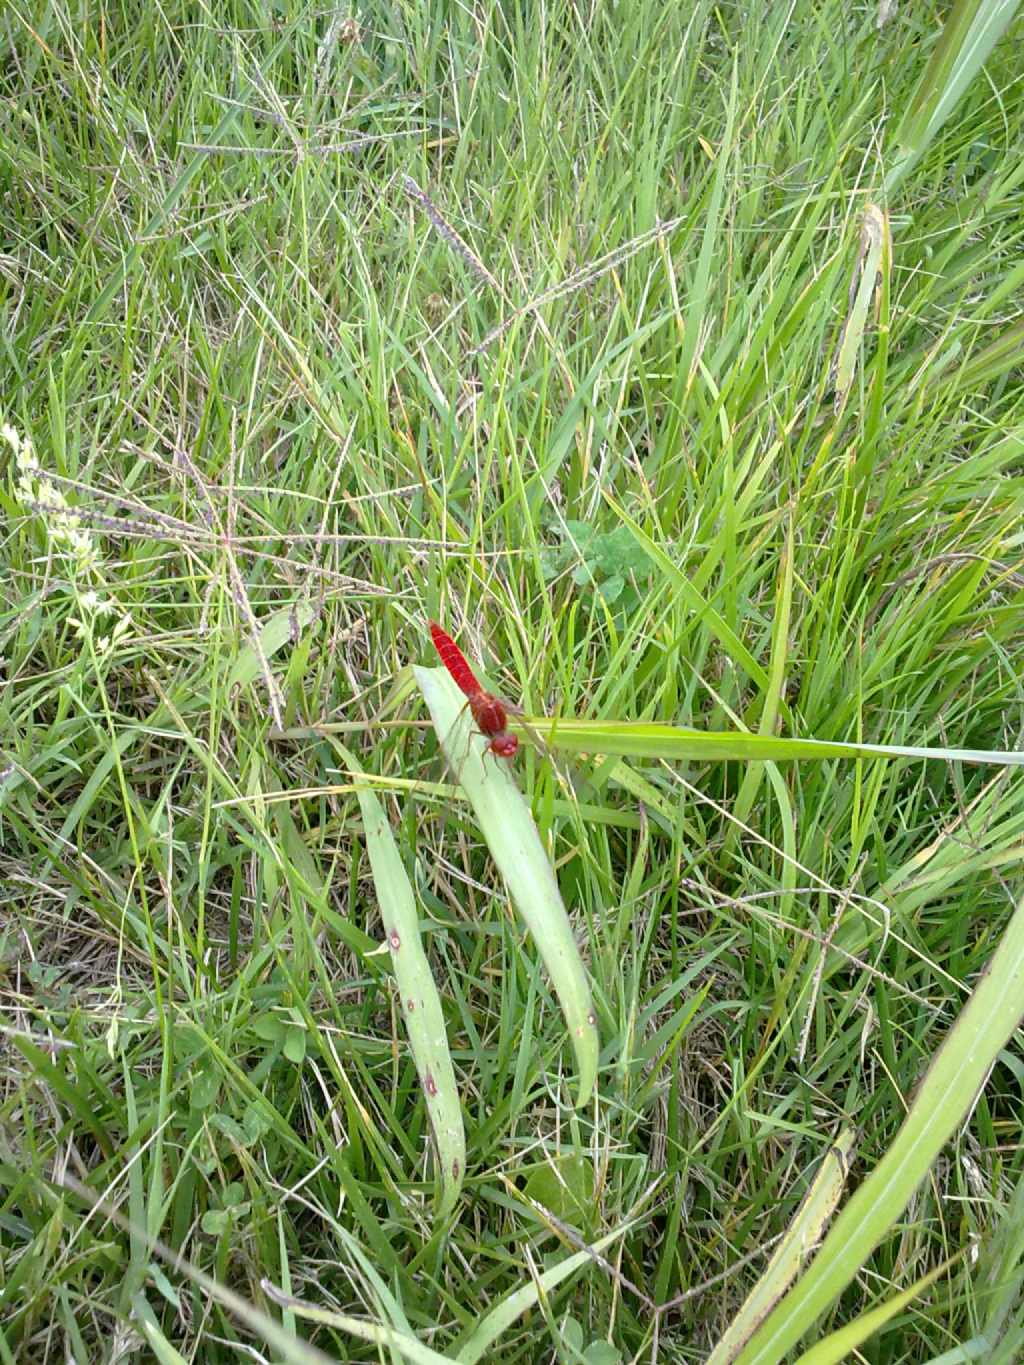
{"x":504,"y":745}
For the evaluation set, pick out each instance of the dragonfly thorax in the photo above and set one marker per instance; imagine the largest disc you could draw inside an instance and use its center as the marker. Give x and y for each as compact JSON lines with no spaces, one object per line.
{"x":489,"y":713}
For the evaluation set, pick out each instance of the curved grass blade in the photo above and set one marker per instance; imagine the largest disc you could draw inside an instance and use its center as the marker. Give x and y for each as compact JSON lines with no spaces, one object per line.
{"x":516,"y":848}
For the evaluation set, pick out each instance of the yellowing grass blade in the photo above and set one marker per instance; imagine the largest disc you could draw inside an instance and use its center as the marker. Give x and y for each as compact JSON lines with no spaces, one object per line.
{"x":875,"y":256}
{"x":508,"y":829}
{"x":802,"y":1236}
{"x":376,"y":1333}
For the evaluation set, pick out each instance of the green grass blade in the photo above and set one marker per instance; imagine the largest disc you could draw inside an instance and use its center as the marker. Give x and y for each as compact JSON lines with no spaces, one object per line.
{"x":776,"y":685}
{"x":674,"y":743}
{"x":945,"y":1095}
{"x":283,"y":627}
{"x":499,"y":1319}
{"x":701,"y":297}
{"x":840,"y":1345}
{"x":419,"y":1000}
{"x":292,"y":1351}
{"x":972,"y":29}
{"x":162,"y":1349}
{"x":692,"y":599}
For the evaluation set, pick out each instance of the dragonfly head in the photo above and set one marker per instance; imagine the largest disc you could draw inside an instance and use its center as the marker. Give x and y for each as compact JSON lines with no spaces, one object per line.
{"x":504,"y":744}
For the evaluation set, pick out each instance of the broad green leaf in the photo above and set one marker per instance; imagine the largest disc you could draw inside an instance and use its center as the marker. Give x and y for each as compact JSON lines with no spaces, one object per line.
{"x":516,"y":848}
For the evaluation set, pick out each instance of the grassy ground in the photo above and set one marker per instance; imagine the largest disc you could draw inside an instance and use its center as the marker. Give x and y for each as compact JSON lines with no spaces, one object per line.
{"x":253,"y":266}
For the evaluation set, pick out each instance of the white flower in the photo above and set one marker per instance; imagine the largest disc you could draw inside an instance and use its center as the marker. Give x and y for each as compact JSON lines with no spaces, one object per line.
{"x":41,"y":496}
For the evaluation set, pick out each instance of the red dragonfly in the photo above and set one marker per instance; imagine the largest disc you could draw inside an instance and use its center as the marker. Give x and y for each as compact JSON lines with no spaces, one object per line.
{"x":489,"y":711}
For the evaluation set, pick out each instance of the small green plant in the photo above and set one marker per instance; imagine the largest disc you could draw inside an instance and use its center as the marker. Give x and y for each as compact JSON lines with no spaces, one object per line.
{"x":608,"y":562}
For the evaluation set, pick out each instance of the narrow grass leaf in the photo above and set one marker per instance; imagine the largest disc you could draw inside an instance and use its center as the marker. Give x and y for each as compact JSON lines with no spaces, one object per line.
{"x":418,"y":995}
{"x":292,"y":1352}
{"x":162,"y":1349}
{"x":971,"y":31}
{"x":841,"y":1345}
{"x":674,"y":743}
{"x":78,"y":1099}
{"x":1003,"y":354}
{"x":153,"y":228}
{"x":712,"y":240}
{"x":284,"y":626}
{"x":692,"y":598}
{"x":375,"y":1333}
{"x":776,"y":682}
